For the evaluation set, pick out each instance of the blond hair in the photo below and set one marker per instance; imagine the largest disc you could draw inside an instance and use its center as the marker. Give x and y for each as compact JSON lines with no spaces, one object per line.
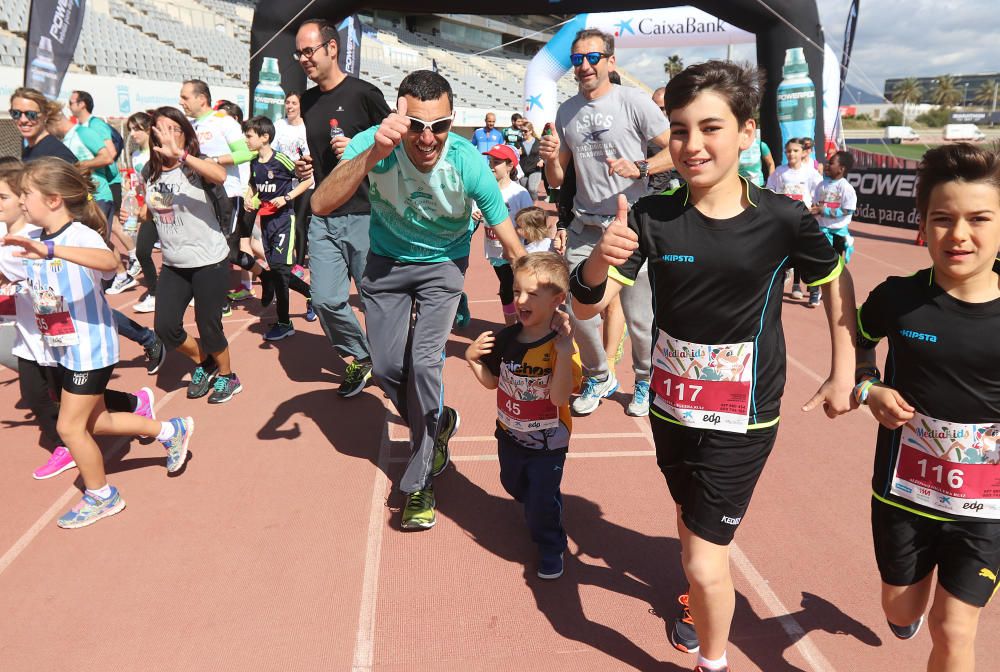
{"x":54,"y":177}
{"x":532,"y":223}
{"x":48,"y":108}
{"x":550,"y":268}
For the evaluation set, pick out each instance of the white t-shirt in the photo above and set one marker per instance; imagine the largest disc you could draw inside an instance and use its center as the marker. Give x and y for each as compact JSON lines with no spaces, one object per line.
{"x":68,"y":299}
{"x":28,"y":343}
{"x":836,"y":195}
{"x":289,"y":139}
{"x":796,"y":183}
{"x":217,"y":131}
{"x":543,"y":245}
{"x":517,"y":198}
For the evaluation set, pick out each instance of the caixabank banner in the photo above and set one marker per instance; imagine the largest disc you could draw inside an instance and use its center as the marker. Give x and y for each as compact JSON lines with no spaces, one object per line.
{"x":53,"y":30}
{"x":886,"y":196}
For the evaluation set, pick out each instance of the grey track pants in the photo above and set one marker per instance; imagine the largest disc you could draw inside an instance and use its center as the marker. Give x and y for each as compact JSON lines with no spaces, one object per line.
{"x":408,"y":359}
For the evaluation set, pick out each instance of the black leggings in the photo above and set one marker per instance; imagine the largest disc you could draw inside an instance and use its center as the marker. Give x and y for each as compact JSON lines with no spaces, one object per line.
{"x":208,"y":286}
{"x":303,"y":213}
{"x":144,"y":242}
{"x":283,"y":278}
{"x":41,"y":387}
{"x":505,"y":274}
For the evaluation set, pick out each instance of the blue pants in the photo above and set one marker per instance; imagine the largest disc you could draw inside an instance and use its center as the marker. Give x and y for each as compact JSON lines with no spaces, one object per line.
{"x":134,"y":331}
{"x":532,"y":477}
{"x":338,"y":249}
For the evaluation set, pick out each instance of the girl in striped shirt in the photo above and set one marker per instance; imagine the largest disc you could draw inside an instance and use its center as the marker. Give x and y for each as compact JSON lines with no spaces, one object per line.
{"x":65,"y":263}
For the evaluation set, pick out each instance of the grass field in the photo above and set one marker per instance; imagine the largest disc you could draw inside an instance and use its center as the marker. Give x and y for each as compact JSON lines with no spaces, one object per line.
{"x":914,"y":152}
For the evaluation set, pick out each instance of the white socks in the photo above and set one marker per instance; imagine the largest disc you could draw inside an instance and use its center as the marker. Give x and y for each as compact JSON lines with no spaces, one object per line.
{"x":167,"y":431}
{"x":707,"y":664}
{"x":101,"y":493}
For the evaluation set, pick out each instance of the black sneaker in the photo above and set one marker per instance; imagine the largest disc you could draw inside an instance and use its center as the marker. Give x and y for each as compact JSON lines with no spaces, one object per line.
{"x":906,"y":631}
{"x":155,"y":354}
{"x":201,"y":381}
{"x":683,"y":635}
{"x":266,"y":288}
{"x":225,"y":388}
{"x":355,"y":377}
{"x":447,"y":426}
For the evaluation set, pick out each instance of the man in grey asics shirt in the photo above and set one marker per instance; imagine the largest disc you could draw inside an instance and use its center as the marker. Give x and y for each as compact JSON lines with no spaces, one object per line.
{"x":604,"y":129}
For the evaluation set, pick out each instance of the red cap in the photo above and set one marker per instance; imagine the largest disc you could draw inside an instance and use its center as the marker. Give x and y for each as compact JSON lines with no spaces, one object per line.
{"x":504,"y":153}
{"x":334,"y":123}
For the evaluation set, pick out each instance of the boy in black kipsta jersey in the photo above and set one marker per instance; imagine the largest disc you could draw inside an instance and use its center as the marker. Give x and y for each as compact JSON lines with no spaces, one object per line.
{"x":273,"y":186}
{"x":717,"y":248}
{"x":936,"y":482}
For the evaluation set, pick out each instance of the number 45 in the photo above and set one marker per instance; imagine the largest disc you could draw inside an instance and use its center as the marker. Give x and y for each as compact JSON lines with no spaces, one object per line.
{"x":513,"y":407}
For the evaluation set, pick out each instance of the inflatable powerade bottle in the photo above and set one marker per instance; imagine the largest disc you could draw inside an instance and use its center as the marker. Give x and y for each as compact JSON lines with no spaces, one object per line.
{"x":269,"y":97}
{"x":42,"y":73}
{"x":796,"y":98}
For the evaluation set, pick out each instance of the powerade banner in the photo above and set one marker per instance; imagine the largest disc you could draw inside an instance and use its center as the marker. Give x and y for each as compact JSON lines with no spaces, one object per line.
{"x":53,"y":30}
{"x":845,"y":59}
{"x":349,"y":57}
{"x":885,"y":196}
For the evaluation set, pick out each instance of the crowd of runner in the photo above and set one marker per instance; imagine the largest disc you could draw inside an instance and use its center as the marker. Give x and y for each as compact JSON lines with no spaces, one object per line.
{"x":663,"y":231}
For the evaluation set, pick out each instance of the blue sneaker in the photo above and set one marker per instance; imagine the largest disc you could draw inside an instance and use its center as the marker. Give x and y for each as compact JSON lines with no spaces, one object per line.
{"x":639,"y":406}
{"x":550,"y":567}
{"x":311,"y":315}
{"x":177,"y":445}
{"x":279,"y":330}
{"x":593,"y":391}
{"x":91,"y":509}
{"x":201,"y":381}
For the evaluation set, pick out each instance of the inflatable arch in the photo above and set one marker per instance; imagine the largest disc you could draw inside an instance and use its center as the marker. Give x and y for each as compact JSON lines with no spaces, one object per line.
{"x":797,"y":28}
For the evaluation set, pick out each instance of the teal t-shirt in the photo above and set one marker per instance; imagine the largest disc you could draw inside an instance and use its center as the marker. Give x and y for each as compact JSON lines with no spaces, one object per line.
{"x":751,"y":161}
{"x":85,"y":144}
{"x":103,"y":131}
{"x":427,"y":217}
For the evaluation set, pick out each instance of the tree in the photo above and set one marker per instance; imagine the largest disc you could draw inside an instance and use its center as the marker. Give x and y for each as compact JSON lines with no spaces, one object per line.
{"x":905,"y":92}
{"x":673,"y":66}
{"x":946,"y":92}
{"x":986,"y":92}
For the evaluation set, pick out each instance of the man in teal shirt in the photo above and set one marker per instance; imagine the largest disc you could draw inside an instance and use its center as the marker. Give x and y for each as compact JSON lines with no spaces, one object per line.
{"x":424,"y":184}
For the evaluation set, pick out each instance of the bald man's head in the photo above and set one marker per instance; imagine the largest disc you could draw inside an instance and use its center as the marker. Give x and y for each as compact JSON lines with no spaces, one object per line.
{"x":658,"y":97}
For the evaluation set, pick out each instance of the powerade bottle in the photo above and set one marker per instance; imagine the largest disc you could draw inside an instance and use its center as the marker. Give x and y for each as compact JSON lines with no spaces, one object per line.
{"x":269,"y":97}
{"x":42,"y":74}
{"x":796,"y":98}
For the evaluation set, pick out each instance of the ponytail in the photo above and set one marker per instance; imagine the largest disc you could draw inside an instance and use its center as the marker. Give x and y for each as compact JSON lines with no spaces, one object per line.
{"x":54,"y":177}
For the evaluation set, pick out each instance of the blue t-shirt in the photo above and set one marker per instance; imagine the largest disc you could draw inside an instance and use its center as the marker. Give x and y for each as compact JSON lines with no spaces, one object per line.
{"x":485,"y":141}
{"x":427,"y":217}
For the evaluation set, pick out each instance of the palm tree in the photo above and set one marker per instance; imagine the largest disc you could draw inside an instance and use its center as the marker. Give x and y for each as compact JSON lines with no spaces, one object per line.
{"x":905,"y":92}
{"x":946,"y":93}
{"x":673,"y":66}
{"x":986,"y":92}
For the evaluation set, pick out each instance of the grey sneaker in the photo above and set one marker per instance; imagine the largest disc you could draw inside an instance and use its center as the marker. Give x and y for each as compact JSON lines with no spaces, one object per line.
{"x":448,"y":425}
{"x":201,"y":381}
{"x":134,"y":269}
{"x":121,"y":284}
{"x":155,"y":354}
{"x":639,"y":406}
{"x":177,"y":445}
{"x":355,"y":377}
{"x":593,"y":391}
{"x":225,"y":388}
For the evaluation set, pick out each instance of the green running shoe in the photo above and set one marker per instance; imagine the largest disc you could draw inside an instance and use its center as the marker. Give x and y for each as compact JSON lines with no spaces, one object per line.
{"x":201,"y":381}
{"x":447,"y":426}
{"x":463,"y":316}
{"x":419,"y":511}
{"x":356,"y":375}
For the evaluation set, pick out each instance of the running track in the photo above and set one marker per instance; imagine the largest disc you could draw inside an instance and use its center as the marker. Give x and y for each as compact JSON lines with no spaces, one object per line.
{"x":278,"y":547}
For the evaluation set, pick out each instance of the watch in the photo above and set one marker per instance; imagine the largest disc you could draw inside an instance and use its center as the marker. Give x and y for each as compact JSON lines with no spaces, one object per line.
{"x":643,"y":167}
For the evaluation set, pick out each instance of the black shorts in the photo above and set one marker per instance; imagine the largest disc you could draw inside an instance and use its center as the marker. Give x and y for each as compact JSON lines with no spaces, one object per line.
{"x":86,"y":382}
{"x":909,"y":546}
{"x":242,"y":225}
{"x":711,"y":474}
{"x":277,"y":233}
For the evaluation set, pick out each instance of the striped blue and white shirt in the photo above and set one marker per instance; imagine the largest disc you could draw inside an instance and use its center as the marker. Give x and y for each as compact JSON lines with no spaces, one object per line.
{"x":70,"y":298}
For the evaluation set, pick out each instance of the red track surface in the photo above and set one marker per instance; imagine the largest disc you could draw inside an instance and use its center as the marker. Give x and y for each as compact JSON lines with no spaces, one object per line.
{"x":279,"y":548}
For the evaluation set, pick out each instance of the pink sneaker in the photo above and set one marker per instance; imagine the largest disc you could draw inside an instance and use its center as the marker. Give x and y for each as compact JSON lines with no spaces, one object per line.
{"x":60,"y":461}
{"x":147,"y":401}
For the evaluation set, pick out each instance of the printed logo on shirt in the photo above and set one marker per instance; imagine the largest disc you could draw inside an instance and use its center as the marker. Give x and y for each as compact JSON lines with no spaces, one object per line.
{"x":729,"y":520}
{"x":80,"y":378}
{"x":988,"y":574}
{"x":682,"y":258}
{"x":918,"y":336}
{"x":595,"y":136}
{"x":340,"y":108}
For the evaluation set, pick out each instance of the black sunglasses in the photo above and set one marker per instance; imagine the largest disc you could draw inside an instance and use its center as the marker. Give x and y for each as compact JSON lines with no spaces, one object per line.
{"x":593,"y":57}
{"x":32,"y":115}
{"x":437,"y":126}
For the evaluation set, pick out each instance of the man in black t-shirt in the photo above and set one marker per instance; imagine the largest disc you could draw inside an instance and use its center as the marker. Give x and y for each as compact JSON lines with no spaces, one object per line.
{"x":338,"y":242}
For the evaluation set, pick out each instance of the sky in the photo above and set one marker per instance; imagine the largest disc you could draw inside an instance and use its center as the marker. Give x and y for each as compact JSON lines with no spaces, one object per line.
{"x":894,"y":39}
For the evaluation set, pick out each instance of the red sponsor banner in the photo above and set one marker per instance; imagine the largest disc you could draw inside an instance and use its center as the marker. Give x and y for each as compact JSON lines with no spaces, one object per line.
{"x":955,"y":479}
{"x":701,"y":395}
{"x":55,"y":324}
{"x":526,"y":411}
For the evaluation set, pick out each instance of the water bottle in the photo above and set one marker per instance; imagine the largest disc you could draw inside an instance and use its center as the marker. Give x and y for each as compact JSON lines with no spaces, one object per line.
{"x":269,"y":97}
{"x":335,"y":130}
{"x":42,"y":73}
{"x":131,"y":205}
{"x":796,"y":98}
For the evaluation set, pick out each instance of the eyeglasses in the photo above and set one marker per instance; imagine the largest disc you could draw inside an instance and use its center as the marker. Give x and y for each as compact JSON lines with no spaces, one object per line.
{"x":32,"y":115}
{"x":308,"y":51}
{"x":437,"y":126}
{"x":593,"y":57}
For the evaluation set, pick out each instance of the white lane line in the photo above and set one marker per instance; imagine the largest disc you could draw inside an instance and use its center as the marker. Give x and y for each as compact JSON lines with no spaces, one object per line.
{"x":798,"y":637}
{"x":883,"y":262}
{"x":32,"y":532}
{"x":364,"y":643}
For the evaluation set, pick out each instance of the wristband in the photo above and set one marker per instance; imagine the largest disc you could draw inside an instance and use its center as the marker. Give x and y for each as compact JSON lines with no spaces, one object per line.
{"x":866,"y":371}
{"x":583,"y":293}
{"x":862,"y":389}
{"x":50,"y":249}
{"x":184,"y":156}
